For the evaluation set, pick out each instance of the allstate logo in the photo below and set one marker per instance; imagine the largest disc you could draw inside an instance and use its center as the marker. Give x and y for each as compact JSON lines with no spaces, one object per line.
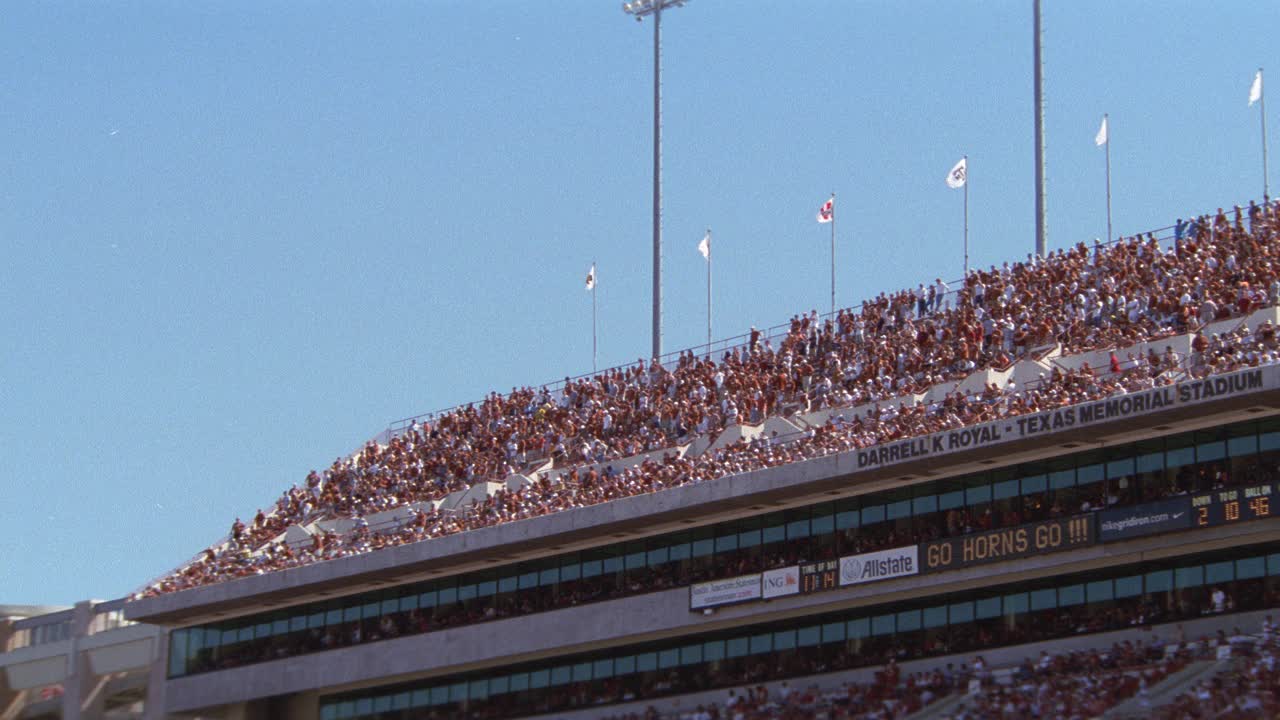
{"x":850,"y":570}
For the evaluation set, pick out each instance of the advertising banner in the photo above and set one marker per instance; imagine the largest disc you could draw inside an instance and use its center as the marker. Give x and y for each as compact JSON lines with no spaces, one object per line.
{"x":1150,"y":518}
{"x":780,"y":582}
{"x":999,"y":545}
{"x":881,"y":565}
{"x":724,"y":592}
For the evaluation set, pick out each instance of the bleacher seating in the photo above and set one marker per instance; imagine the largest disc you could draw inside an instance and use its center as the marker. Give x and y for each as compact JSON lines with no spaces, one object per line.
{"x":1080,"y":324}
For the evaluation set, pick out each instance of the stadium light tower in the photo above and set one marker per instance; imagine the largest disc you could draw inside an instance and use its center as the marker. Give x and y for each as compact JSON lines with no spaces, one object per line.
{"x":1042,"y":229}
{"x":640,"y":9}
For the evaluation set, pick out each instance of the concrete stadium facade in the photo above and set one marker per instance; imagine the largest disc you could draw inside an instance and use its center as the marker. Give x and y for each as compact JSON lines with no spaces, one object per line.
{"x":298,"y":686}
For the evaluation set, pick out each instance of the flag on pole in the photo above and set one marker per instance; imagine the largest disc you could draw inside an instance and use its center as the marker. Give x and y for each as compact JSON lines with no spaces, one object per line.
{"x":1101,"y":138}
{"x":591,"y":277}
{"x":827,"y":212}
{"x":704,"y":247}
{"x":1255,"y":91}
{"x":956,"y":178}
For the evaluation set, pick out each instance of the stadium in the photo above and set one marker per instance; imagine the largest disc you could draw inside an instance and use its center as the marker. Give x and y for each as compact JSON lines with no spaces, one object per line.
{"x":1048,"y":489}
{"x":901,"y":540}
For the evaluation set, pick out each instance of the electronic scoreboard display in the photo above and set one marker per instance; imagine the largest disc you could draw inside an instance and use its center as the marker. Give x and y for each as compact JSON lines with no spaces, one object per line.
{"x":819,"y":576}
{"x":1226,"y":507}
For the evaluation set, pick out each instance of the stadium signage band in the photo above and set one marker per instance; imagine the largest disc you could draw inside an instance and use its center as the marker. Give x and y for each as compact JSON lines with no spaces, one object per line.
{"x":1113,"y":408}
{"x":988,"y":547}
{"x":1184,"y":512}
{"x":781,"y":582}
{"x":880,"y":565}
{"x":807,"y":578}
{"x":725,"y":592}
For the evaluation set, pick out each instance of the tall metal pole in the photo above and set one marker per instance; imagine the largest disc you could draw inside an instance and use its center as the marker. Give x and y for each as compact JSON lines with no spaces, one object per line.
{"x":657,"y":181}
{"x":708,"y":292}
{"x":593,"y":318}
{"x":640,"y":9}
{"x":966,"y":218}
{"x":833,"y":254}
{"x":1041,"y":229}
{"x":1107,"y":124}
{"x":1262,"y":100}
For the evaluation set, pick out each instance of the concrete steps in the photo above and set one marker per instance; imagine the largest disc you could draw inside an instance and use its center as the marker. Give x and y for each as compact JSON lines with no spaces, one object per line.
{"x":941,"y":708}
{"x":1167,"y":690}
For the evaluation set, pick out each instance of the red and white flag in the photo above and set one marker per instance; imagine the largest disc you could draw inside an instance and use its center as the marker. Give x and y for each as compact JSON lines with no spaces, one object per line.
{"x":827,"y":212}
{"x":591,"y":277}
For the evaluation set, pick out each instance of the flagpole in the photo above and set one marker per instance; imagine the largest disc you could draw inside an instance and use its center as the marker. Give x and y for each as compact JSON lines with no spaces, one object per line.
{"x":966,"y":217}
{"x":833,"y":254}
{"x":708,"y":292}
{"x":1262,"y":107}
{"x":593,"y":317}
{"x":1107,"y":125}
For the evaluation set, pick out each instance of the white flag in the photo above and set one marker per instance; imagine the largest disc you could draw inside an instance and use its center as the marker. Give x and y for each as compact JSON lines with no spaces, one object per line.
{"x":956,"y":178}
{"x":1101,"y":138}
{"x":591,"y":277}
{"x":1255,"y":91}
{"x":704,"y":247}
{"x":827,"y":212}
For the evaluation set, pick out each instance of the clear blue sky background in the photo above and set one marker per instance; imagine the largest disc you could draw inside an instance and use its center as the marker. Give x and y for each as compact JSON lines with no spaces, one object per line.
{"x":241,"y":237}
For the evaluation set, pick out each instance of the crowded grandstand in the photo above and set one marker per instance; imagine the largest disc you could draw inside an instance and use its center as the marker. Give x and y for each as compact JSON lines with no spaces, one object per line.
{"x":895,"y":367}
{"x":1046,"y":492}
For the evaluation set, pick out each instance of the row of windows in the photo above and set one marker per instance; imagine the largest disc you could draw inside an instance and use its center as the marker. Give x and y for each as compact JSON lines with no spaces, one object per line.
{"x":1119,"y":474}
{"x":40,"y":635}
{"x":1007,"y":605}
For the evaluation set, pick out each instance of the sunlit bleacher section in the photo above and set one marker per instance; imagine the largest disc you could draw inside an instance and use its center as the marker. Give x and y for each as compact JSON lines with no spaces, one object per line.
{"x":1048,"y":491}
{"x":85,"y":661}
{"x":1085,"y":322}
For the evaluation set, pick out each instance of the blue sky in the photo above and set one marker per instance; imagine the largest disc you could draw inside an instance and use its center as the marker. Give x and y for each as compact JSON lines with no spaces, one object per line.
{"x":242,"y":237}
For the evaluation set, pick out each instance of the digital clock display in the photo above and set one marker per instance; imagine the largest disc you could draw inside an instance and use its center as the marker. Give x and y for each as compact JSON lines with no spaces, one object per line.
{"x":819,"y":576}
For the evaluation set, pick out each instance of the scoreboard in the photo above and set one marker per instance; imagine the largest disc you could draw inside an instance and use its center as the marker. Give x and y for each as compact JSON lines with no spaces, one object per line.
{"x":820,"y":576}
{"x":1225,"y":507}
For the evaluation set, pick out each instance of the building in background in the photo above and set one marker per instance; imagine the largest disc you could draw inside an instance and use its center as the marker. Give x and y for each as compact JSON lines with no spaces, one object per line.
{"x":85,"y":661}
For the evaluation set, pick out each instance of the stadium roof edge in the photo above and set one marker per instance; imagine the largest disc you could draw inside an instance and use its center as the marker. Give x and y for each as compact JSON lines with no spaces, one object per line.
{"x":28,"y":611}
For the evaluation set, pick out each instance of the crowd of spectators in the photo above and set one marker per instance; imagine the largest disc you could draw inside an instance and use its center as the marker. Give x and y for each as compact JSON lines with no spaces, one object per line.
{"x":1078,"y":299}
{"x":1249,"y":689}
{"x":887,"y":697}
{"x":1082,"y":684}
{"x":1078,"y":684}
